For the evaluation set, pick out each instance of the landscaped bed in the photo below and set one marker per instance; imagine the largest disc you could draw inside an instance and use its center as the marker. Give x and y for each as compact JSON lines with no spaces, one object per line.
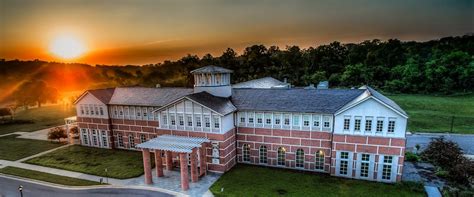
{"x":52,"y":178}
{"x":247,"y":180}
{"x":12,"y":148}
{"x":120,"y":164}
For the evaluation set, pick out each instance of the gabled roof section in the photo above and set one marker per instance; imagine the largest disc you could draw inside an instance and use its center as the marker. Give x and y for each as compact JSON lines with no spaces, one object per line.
{"x":142,"y":96}
{"x":384,"y":99}
{"x":266,"y":82}
{"x":220,"y":105}
{"x":211,"y":69}
{"x":294,"y":100}
{"x":103,"y":95}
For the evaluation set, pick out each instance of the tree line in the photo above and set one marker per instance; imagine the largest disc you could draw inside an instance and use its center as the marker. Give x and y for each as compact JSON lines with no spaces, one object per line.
{"x":442,"y":66}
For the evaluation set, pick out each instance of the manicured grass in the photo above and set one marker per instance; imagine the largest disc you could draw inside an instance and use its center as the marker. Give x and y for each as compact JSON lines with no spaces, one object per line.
{"x":12,"y":148}
{"x":42,"y":118}
{"x":52,"y":178}
{"x":120,"y":164}
{"x":434,"y":113}
{"x":247,"y":180}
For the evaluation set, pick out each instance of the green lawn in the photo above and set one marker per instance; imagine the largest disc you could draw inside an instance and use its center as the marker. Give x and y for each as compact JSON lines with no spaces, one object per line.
{"x":434,"y":113}
{"x":120,"y":164}
{"x":12,"y":148}
{"x":247,"y":180}
{"x":40,"y":118}
{"x":52,"y":178}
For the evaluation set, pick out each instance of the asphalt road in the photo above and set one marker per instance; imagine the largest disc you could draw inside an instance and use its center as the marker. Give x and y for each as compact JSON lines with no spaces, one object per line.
{"x":466,"y":142}
{"x":9,"y":188}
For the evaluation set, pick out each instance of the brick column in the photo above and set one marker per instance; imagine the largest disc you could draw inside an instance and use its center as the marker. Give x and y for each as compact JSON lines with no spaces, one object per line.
{"x":158,"y":163}
{"x":183,"y":160}
{"x":194,"y":173}
{"x":147,"y":166}
{"x":202,"y":164}
{"x":169,"y":160}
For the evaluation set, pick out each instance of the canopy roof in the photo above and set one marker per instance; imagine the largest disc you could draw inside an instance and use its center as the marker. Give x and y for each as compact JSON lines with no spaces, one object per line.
{"x":173,"y":143}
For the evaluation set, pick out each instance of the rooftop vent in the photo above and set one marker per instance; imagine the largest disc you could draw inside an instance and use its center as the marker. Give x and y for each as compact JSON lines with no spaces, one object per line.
{"x":310,"y":87}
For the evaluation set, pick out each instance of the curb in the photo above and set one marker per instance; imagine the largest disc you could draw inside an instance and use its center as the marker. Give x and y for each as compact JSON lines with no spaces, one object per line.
{"x":440,"y":134}
{"x":65,"y":187}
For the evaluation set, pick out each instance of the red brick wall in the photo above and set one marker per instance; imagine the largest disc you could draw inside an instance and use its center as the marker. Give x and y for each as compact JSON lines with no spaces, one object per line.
{"x":369,"y":144}
{"x":96,"y":123}
{"x":292,"y":140}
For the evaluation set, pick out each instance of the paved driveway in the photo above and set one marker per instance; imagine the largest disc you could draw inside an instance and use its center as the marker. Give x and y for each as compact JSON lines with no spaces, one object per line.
{"x":466,"y":142}
{"x":9,"y":188}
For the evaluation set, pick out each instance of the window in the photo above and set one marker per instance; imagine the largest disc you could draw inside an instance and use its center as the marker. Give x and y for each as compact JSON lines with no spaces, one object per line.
{"x":190,"y":120}
{"x":287,"y":119}
{"x":164,"y":119}
{"x":173,"y":120}
{"x":246,"y":153}
{"x":94,"y":137}
{"x":300,"y":157}
{"x":368,"y":124}
{"x":327,"y":123}
{"x":242,"y":117}
{"x":306,"y":120}
{"x":92,"y":110}
{"x":281,"y":156}
{"x":216,"y":122}
{"x":268,"y":119}
{"x":181,"y":120}
{"x":296,"y":120}
{"x":319,"y":160}
{"x":101,"y":111}
{"x":142,"y":138}
{"x":316,"y":121}
{"x":344,"y":163}
{"x":357,"y":124}
{"x":84,"y":137}
{"x":104,"y":138}
{"x":132,"y":112}
{"x":379,"y":124}
{"x":364,"y":165}
{"x":277,"y":119}
{"x":96,"y":110}
{"x":347,"y":122}
{"x":259,"y":118}
{"x":131,"y":141}
{"x":263,"y":154}
{"x":120,"y":139}
{"x":198,"y":121}
{"x":87,"y":111}
{"x":250,"y":118}
{"x":391,"y":125}
{"x":82,"y":110}
{"x":207,"y":121}
{"x":387,"y":167}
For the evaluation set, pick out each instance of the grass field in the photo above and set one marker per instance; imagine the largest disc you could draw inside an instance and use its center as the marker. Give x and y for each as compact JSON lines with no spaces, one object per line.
{"x":44,"y":117}
{"x":12,"y":148}
{"x":434,"y":113}
{"x":247,"y":180}
{"x":120,"y":164}
{"x":52,"y":178}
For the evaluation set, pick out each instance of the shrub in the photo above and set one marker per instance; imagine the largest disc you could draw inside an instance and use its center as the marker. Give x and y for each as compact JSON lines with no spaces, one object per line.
{"x":57,"y":133}
{"x":442,"y":153}
{"x":409,"y":156}
{"x":462,"y":172}
{"x":442,"y":173}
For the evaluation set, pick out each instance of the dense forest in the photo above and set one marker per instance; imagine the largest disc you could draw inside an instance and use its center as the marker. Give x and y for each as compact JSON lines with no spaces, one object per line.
{"x":443,"y":66}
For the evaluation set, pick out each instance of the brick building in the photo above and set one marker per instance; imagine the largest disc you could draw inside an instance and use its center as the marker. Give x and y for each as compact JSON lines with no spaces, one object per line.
{"x":353,"y":133}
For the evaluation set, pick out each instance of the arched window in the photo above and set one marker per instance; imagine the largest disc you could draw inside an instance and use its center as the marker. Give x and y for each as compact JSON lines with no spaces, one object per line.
{"x":281,"y":156}
{"x":246,"y":153}
{"x":300,"y":158}
{"x":263,"y":154}
{"x":319,"y":160}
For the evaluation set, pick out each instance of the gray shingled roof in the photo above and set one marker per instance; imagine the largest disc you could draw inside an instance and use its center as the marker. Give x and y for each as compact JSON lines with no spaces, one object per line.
{"x":220,"y":105}
{"x":104,"y":95}
{"x":211,"y":69}
{"x":384,"y":99}
{"x":147,"y":96}
{"x":266,"y":82}
{"x":293,"y":100}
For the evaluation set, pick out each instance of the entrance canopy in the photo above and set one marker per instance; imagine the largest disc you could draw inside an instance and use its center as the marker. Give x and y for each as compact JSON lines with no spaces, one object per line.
{"x":179,"y":144}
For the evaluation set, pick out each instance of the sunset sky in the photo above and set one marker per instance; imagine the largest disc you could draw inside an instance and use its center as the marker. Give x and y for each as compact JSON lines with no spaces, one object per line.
{"x":150,"y":31}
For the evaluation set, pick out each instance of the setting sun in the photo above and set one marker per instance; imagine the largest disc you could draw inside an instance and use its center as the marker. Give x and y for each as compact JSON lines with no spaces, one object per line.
{"x":67,"y":47}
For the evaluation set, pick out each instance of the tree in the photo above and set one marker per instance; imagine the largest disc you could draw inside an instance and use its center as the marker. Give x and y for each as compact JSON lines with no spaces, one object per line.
{"x":35,"y":92}
{"x":443,"y":153}
{"x":74,"y":131}
{"x":57,"y":133}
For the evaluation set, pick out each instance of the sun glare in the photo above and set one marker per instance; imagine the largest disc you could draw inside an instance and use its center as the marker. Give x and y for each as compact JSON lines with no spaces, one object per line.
{"x":67,"y":47}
